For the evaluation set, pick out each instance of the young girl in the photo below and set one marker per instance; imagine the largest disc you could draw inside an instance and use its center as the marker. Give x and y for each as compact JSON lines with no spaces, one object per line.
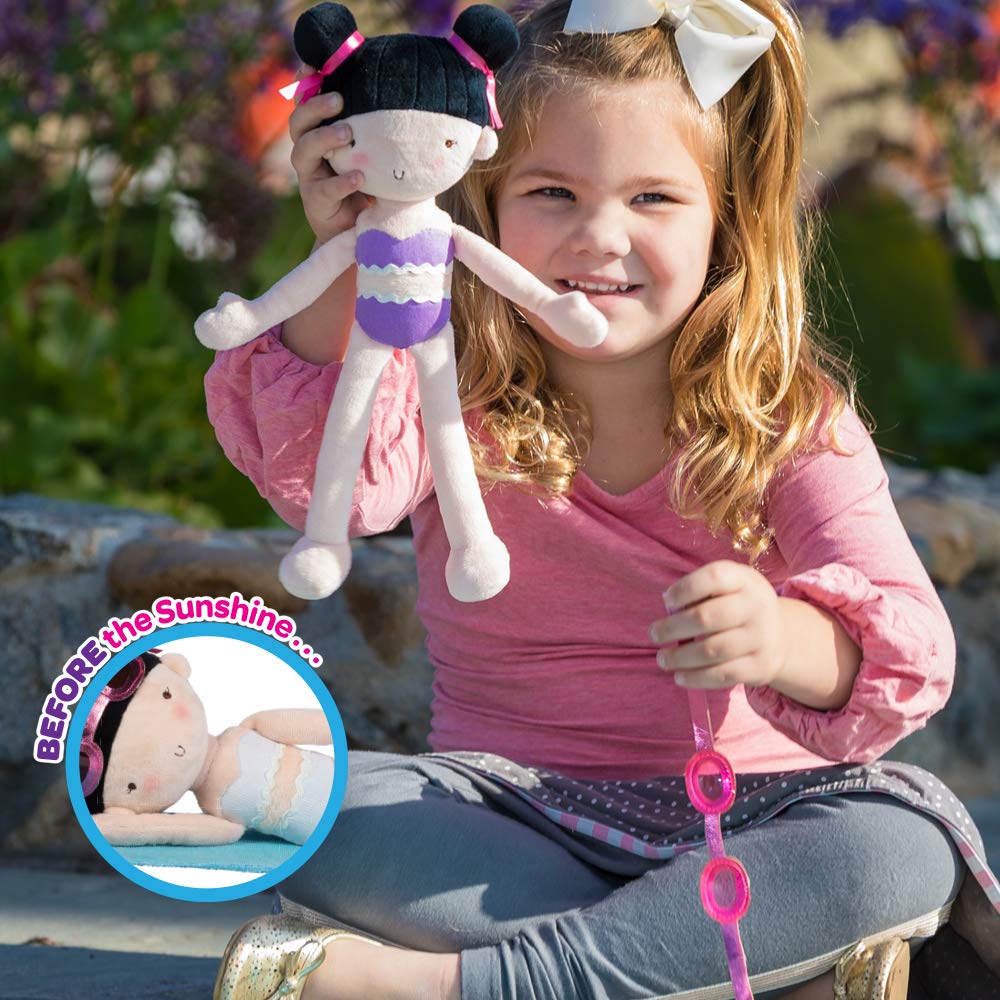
{"x":703,"y":458}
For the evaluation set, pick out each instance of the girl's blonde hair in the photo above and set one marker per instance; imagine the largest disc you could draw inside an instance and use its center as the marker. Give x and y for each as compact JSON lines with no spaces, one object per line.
{"x":747,"y":369}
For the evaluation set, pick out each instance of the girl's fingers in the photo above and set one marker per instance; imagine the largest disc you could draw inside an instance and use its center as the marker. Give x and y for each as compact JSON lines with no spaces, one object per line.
{"x":331,"y":191}
{"x":717,"y":678}
{"x":713,"y":615}
{"x":723,"y":576}
{"x":710,"y":651}
{"x":312,"y":148}
{"x":308,"y":115}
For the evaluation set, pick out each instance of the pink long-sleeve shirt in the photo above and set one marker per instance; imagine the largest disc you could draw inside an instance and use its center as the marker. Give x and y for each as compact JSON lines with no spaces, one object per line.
{"x":558,"y":669}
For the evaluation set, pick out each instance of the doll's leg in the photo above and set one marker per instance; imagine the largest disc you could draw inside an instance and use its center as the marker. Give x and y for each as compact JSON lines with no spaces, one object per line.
{"x":319,"y":562}
{"x":479,"y":566}
{"x":234,"y":320}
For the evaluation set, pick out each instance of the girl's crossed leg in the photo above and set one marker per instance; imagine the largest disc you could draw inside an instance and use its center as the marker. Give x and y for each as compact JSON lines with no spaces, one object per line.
{"x":419,"y":857}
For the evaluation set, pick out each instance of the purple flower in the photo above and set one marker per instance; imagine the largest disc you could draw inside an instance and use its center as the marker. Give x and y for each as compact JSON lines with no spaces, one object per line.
{"x":944,"y":38}
{"x":951,"y":17}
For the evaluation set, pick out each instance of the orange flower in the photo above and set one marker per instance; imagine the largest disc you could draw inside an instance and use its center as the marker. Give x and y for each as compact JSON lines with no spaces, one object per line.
{"x":263,"y":112}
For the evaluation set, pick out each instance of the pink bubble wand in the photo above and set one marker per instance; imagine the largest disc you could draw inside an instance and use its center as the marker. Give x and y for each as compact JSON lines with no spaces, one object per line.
{"x":725,"y":886}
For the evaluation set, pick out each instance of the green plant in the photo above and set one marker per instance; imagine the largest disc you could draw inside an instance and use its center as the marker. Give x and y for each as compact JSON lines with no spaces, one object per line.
{"x":104,"y":401}
{"x":889,"y":286}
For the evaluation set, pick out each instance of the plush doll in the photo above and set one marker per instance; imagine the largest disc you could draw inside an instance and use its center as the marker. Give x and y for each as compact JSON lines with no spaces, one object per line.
{"x":146,"y":743}
{"x":421,"y":111}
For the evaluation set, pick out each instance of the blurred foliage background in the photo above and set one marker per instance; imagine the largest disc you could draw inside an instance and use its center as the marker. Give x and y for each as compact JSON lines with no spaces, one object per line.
{"x":144,"y":169}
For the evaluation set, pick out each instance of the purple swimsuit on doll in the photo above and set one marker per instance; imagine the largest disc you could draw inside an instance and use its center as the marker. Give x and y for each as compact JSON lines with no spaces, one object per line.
{"x":404,"y":286}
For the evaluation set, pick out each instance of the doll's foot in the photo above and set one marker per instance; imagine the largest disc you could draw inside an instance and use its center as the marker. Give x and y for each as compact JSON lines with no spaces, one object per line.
{"x":314,"y":570}
{"x":231,"y":323}
{"x":478,"y":572}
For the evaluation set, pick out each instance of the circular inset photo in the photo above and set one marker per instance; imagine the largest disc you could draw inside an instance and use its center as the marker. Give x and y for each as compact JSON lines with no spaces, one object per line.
{"x":208,"y":763}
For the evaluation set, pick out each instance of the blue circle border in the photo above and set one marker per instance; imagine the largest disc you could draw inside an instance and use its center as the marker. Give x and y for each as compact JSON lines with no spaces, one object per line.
{"x":215,"y":894}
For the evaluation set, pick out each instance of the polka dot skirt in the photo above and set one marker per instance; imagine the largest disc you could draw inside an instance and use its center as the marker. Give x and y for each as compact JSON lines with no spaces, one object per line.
{"x":654,"y":819}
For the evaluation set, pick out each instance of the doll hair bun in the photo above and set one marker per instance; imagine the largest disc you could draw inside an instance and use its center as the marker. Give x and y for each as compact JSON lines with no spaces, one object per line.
{"x":490,"y":32}
{"x":321,"y":30}
{"x":408,"y":72}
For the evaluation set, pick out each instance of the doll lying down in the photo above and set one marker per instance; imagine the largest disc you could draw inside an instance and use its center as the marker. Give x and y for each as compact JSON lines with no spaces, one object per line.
{"x":146,"y":743}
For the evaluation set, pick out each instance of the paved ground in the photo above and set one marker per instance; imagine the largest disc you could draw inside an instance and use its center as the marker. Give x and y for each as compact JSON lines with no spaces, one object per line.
{"x":107,"y":938}
{"x":103,"y":937}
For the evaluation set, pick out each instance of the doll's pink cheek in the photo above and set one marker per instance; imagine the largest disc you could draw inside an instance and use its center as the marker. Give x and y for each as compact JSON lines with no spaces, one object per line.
{"x":181,"y":712}
{"x":150,"y":784}
{"x":360,"y":160}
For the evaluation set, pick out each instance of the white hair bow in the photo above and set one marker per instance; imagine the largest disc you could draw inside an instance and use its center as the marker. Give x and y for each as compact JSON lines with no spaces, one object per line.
{"x":718,"y":40}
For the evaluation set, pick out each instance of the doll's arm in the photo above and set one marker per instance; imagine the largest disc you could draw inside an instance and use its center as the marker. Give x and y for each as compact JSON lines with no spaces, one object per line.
{"x":124,"y":828}
{"x":291,"y":726}
{"x":569,"y":315}
{"x":234,"y":321}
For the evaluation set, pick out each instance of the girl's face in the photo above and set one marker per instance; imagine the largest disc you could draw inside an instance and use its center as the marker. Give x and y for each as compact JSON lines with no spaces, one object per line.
{"x":609,"y":193}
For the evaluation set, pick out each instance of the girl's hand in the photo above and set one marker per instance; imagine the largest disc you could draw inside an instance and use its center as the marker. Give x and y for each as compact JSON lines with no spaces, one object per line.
{"x":331,"y":202}
{"x":733,"y":613}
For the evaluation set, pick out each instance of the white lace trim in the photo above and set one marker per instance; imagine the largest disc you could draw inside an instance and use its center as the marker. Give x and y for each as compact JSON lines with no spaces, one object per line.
{"x":395,"y":269}
{"x":293,"y":806}
{"x":264,"y":796}
{"x":401,"y":300}
{"x":402,"y":287}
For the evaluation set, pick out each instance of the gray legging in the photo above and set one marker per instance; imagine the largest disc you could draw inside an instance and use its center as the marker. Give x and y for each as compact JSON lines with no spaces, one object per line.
{"x":420,"y":857}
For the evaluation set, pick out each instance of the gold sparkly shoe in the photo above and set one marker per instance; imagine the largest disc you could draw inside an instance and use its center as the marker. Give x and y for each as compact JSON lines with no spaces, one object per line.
{"x":269,"y":958}
{"x":879,"y":972}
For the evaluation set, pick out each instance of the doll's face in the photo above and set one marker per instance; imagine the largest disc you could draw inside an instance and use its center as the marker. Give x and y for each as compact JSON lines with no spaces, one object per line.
{"x":410,"y":156}
{"x":161,"y":744}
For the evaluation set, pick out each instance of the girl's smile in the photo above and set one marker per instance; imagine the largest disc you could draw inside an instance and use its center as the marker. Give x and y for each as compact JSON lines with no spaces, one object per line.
{"x":604,"y":203}
{"x":596,"y":287}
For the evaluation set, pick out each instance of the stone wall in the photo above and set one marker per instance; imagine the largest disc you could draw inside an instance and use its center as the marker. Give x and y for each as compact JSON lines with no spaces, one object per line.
{"x":66,"y":568}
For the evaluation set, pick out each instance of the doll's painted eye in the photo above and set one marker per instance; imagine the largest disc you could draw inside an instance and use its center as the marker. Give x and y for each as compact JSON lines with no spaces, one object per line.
{"x":166,"y":693}
{"x":449,"y":143}
{"x":131,"y":787}
{"x":353,"y":143}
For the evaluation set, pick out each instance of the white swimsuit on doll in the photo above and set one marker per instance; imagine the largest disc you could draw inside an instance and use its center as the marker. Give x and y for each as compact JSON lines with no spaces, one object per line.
{"x":253,"y":800}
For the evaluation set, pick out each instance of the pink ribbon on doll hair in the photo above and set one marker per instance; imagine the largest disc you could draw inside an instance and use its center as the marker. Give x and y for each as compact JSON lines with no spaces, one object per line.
{"x":473,"y":57}
{"x":309,"y":86}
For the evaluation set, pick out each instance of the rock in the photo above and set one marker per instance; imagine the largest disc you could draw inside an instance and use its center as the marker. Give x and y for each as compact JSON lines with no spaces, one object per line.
{"x":381,"y":592}
{"x":53,"y":595}
{"x":959,"y":483}
{"x":39,"y":535}
{"x":51,"y":826}
{"x":983,"y":520}
{"x":187,"y":562}
{"x":66,"y":568}
{"x":943,"y":539}
{"x":375,"y":664}
{"x":959,"y":744}
{"x":905,"y":480}
{"x":953,"y":535}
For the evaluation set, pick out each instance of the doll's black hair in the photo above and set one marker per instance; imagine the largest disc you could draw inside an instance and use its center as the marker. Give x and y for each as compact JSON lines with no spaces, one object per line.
{"x":408,"y":72}
{"x":107,"y":729}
